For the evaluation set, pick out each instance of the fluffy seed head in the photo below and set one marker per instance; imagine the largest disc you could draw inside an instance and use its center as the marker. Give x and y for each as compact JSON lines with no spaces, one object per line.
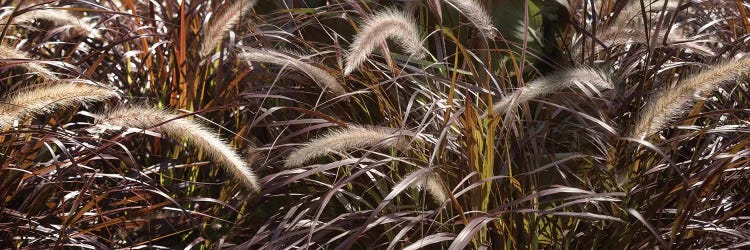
{"x":673,"y":102}
{"x":320,"y":76}
{"x":220,"y":25}
{"x":76,"y":26}
{"x":549,"y":84}
{"x":476,"y":13}
{"x":187,"y":130}
{"x":349,"y":138}
{"x":390,"y":23}
{"x":47,"y":98}
{"x":7,"y":53}
{"x":431,"y":183}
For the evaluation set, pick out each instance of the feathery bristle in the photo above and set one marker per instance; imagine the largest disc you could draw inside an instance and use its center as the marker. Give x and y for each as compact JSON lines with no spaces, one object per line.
{"x":349,"y":138}
{"x":390,"y":23}
{"x":476,"y":13}
{"x":320,"y":76}
{"x":183,"y":129}
{"x":221,"y":24}
{"x":431,"y":183}
{"x":435,"y":188}
{"x":32,"y":67}
{"x":673,"y":102}
{"x":549,"y":84}
{"x":77,"y":27}
{"x":47,"y":98}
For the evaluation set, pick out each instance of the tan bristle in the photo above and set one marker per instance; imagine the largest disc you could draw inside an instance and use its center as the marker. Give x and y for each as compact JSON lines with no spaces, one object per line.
{"x":390,"y":23}
{"x":324,"y":79}
{"x":549,"y":84}
{"x":673,"y":102}
{"x":349,"y":138}
{"x":47,"y":98}
{"x":8,"y":53}
{"x":476,"y":13}
{"x":220,"y":24}
{"x":184,"y":129}
{"x":76,"y":26}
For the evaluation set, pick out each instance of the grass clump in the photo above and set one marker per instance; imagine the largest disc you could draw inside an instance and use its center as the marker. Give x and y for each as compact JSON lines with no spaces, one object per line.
{"x":536,"y":124}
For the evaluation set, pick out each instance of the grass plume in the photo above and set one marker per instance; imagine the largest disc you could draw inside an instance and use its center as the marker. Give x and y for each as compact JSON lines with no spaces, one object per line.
{"x":549,"y":84}
{"x":349,"y":138}
{"x":430,"y":182}
{"x":324,"y":79}
{"x":476,"y":13}
{"x":76,"y":27}
{"x":8,"y":53}
{"x":389,"y":23}
{"x":47,"y":98}
{"x":219,"y":25}
{"x":431,"y":174}
{"x":673,"y":102}
{"x":183,"y":129}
